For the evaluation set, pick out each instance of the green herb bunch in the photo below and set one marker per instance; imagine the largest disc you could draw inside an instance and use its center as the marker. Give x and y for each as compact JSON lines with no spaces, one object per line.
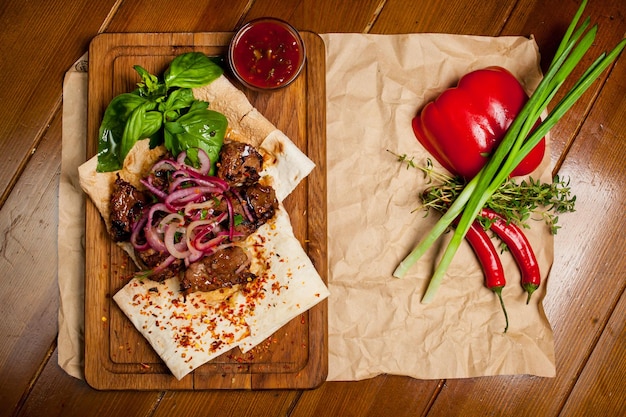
{"x":517,"y":202}
{"x":166,"y":112}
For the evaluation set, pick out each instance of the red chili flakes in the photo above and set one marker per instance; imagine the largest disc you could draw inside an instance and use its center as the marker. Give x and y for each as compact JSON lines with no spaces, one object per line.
{"x":276,"y":287}
{"x":176,"y":316}
{"x":183,"y":340}
{"x":215,"y":345}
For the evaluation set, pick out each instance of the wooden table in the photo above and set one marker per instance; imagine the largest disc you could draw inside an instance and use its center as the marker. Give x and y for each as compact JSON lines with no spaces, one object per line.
{"x":586,"y":300}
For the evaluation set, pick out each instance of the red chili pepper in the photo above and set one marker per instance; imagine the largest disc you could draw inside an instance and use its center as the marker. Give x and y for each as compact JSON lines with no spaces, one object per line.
{"x":489,"y":261}
{"x":520,"y":248}
{"x":465,"y":123}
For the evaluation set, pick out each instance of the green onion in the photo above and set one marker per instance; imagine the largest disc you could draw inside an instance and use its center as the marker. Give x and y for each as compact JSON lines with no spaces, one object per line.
{"x":516,"y":144}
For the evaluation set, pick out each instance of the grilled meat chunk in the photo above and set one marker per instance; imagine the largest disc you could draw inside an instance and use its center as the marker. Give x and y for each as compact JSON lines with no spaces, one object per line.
{"x":245,"y":225}
{"x":261,"y":200}
{"x":239,"y":164}
{"x":253,"y":206}
{"x":222,"y":269}
{"x":250,"y":203}
{"x":152,"y":259}
{"x":127,"y":204}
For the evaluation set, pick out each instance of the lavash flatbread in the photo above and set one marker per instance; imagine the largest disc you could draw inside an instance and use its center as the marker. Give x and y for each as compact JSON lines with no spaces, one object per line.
{"x":188,"y":332}
{"x":242,"y":117}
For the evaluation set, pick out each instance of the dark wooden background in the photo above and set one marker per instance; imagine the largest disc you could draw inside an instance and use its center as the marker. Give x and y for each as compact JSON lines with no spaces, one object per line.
{"x":586,"y":303}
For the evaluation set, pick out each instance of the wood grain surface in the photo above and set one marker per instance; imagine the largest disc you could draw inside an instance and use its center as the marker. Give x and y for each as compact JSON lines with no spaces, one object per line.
{"x":585,"y":304}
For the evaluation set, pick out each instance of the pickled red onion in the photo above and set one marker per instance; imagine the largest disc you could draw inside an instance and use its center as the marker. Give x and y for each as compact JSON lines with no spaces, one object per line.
{"x":183,"y":223}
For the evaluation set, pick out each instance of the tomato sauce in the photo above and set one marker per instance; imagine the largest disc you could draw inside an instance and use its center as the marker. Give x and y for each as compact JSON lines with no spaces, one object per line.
{"x":267,"y":54}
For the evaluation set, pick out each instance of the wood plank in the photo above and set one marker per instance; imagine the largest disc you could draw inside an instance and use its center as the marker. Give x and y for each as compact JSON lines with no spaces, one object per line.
{"x":227,"y":403}
{"x":529,"y":18}
{"x":453,"y":16}
{"x":58,"y":394}
{"x":384,"y":395}
{"x":601,"y":388}
{"x":320,"y":16}
{"x":589,"y":267}
{"x":117,"y":356}
{"x":28,"y":261}
{"x":340,"y":399}
{"x":177,"y":16}
{"x":35,"y":55}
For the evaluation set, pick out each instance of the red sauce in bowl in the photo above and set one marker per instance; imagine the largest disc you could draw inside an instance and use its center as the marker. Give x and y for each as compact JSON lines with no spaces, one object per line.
{"x":266,"y":54}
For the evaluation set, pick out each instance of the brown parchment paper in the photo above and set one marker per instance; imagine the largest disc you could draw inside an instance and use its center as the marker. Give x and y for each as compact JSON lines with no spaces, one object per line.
{"x":71,"y":235}
{"x":377,"y":324}
{"x":375,"y":85}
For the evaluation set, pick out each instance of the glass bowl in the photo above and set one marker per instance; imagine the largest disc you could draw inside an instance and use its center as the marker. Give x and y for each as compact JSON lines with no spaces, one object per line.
{"x":266,"y":54}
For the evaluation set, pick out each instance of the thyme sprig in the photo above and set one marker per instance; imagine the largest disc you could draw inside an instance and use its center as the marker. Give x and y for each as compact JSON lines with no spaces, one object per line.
{"x":517,"y":202}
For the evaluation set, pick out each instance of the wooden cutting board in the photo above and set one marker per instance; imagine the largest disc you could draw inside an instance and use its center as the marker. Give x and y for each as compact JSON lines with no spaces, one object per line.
{"x":117,"y":357}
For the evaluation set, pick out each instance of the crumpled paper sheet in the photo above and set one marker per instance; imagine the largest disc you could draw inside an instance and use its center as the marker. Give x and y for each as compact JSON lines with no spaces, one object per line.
{"x":377,"y":324}
{"x":375,"y":85}
{"x":71,"y":235}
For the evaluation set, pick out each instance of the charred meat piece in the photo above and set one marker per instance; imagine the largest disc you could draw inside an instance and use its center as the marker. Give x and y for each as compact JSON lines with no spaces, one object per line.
{"x":262,"y":202}
{"x":239,"y":164}
{"x":127,"y":204}
{"x":152,"y":259}
{"x":161,"y":179}
{"x":253,"y":206}
{"x":222,"y":269}
{"x":244,"y":224}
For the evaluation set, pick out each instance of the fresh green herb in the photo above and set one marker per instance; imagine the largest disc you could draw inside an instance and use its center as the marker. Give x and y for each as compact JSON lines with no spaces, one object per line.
{"x":190,"y":70}
{"x":429,"y":170}
{"x":199,"y":128}
{"x":237,"y":219}
{"x":516,"y":202}
{"x":516,"y":144}
{"x":164,"y":111}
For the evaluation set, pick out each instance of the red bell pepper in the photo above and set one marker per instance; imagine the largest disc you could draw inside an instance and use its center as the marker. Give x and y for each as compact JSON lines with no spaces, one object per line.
{"x":465,"y":123}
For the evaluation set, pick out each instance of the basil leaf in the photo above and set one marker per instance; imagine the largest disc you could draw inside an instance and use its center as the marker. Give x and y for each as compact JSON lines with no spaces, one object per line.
{"x":152,"y":123}
{"x":141,"y":124}
{"x":193,"y":69}
{"x":141,"y":114}
{"x":112,"y":130}
{"x":178,"y":100}
{"x":200,"y":128}
{"x":150,"y":85}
